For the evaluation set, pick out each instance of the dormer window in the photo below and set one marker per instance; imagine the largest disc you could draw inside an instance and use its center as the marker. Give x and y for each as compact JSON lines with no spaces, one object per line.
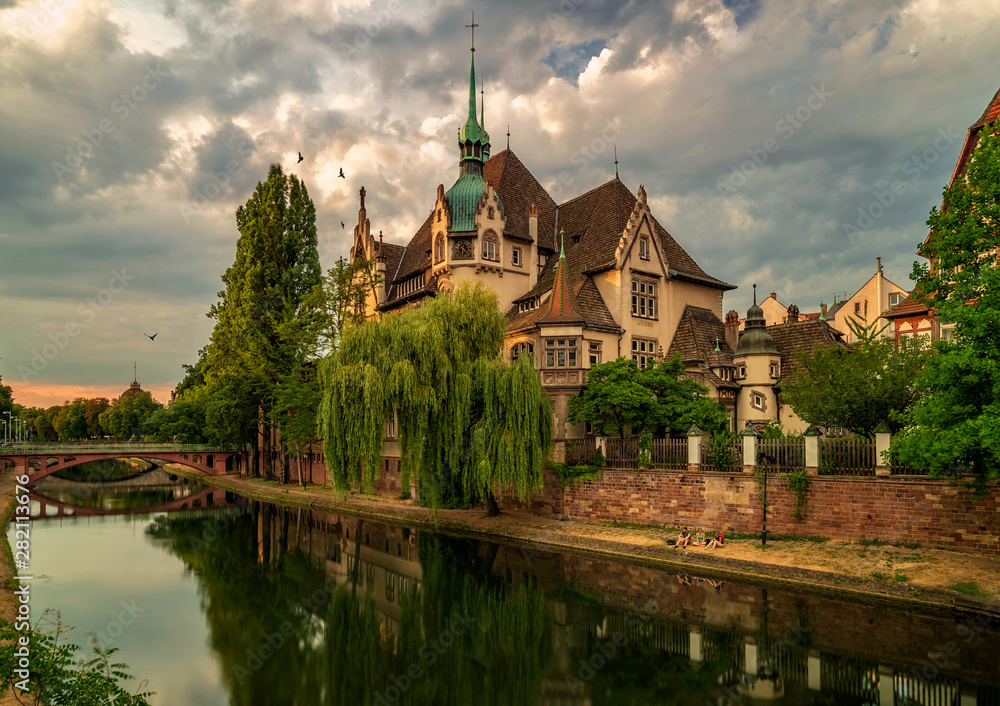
{"x":644,"y":248}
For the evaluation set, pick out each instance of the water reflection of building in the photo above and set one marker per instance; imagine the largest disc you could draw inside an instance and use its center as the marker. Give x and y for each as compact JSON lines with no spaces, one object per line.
{"x":758,"y":646}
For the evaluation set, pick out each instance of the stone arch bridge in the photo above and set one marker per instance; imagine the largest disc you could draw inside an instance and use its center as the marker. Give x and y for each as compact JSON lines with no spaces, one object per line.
{"x":41,"y":460}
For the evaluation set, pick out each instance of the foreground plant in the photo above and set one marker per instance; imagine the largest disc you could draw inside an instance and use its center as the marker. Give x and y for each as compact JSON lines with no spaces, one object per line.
{"x":56,"y":676}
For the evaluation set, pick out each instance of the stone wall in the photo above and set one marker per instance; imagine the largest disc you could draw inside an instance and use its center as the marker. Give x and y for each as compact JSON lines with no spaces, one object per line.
{"x":928,"y":511}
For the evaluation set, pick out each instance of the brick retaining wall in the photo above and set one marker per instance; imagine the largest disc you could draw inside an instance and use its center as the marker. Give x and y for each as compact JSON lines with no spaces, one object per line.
{"x":927,"y":511}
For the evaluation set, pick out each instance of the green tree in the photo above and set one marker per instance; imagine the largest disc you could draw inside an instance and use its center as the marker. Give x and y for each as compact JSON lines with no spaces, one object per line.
{"x":858,"y":387}
{"x":71,"y":423}
{"x":94,"y":407}
{"x":468,"y":423}
{"x":275,"y":270}
{"x":125,"y":418}
{"x":619,"y":396}
{"x":953,"y":428}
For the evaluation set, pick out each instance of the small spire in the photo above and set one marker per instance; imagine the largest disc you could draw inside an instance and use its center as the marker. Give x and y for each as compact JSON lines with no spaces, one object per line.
{"x":616,"y":161}
{"x":822,"y":306}
{"x":482,"y":104}
{"x":562,"y":244}
{"x":755,"y":295}
{"x":717,"y":345}
{"x":508,"y":135}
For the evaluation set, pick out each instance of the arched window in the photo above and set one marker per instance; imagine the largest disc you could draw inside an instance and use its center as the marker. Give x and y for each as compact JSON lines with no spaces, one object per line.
{"x":490,"y":249}
{"x":439,"y":249}
{"x":519,"y":348}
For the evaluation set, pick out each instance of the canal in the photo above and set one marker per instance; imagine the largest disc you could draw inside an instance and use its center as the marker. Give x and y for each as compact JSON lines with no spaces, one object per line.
{"x":214,"y":599}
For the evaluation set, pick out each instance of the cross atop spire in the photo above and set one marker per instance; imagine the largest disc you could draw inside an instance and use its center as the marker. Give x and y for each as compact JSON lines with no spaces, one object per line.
{"x":473,"y":26}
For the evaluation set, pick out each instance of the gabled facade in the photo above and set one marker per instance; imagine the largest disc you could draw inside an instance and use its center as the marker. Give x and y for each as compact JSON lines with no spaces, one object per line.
{"x":868,"y":305}
{"x":582,"y":283}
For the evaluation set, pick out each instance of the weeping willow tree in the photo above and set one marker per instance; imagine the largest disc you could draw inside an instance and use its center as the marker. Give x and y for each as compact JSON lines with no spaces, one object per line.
{"x":468,"y":423}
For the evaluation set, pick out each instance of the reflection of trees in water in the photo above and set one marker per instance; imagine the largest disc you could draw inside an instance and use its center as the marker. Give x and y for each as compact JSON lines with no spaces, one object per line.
{"x":286,"y":635}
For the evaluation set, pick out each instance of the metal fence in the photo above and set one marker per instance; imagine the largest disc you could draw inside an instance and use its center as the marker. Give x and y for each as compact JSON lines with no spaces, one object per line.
{"x":782,"y":455}
{"x":847,"y":457}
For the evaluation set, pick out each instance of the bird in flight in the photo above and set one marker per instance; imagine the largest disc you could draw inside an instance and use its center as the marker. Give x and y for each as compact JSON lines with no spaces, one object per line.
{"x":341,"y":175}
{"x":151,"y":338}
{"x":300,"y":157}
{"x":343,"y":225}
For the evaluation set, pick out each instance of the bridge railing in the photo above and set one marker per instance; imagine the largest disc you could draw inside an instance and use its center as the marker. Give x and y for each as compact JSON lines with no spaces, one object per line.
{"x":136,"y":449}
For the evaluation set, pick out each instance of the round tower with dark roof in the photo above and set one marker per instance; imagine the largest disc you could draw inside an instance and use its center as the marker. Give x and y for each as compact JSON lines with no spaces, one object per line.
{"x":758,"y":369}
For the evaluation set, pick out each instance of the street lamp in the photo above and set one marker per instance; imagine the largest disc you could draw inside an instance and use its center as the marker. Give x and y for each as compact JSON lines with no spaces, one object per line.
{"x":8,"y":425}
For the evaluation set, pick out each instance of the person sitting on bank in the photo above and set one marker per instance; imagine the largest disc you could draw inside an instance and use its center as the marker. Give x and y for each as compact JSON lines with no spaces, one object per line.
{"x":717,"y":541}
{"x":700,"y":538}
{"x":684,"y":538}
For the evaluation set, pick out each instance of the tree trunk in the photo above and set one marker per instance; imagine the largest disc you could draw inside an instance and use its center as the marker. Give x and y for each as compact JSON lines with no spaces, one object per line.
{"x":254,"y":469}
{"x":492,"y":508}
{"x":266,"y":452}
{"x":286,"y":472}
{"x":298,"y":465}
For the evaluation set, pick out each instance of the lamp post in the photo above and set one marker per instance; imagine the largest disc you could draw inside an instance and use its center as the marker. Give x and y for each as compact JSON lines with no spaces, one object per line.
{"x":8,"y":425}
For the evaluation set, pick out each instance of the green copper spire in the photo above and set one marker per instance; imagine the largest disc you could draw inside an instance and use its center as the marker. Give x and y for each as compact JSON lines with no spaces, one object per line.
{"x":474,"y":142}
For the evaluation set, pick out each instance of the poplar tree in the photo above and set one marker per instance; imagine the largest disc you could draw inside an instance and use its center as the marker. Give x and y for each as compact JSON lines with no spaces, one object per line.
{"x":276,"y":267}
{"x":468,"y":423}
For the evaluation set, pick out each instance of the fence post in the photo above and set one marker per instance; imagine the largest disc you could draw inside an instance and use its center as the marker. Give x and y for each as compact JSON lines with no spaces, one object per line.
{"x":749,"y":448}
{"x":599,"y":446}
{"x":882,"y":440}
{"x":694,"y":448}
{"x":812,"y":451}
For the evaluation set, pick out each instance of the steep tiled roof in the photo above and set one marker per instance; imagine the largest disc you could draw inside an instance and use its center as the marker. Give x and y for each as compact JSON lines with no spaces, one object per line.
{"x":393,"y":256}
{"x":907,"y":307}
{"x":518,"y":189}
{"x":991,"y":114}
{"x":594,"y":223}
{"x":562,"y":304}
{"x":795,"y":336}
{"x":590,"y":305}
{"x":695,"y":338}
{"x":417,"y":256}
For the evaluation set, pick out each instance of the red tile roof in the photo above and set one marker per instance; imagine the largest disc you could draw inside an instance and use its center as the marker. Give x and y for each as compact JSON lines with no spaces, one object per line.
{"x":695,"y":338}
{"x":562,"y":304}
{"x":518,"y":189}
{"x":907,"y":307}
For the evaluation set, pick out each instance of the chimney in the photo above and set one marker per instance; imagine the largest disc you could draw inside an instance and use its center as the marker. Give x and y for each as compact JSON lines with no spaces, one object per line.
{"x":878,"y":265}
{"x":823,"y":310}
{"x":533,"y":223}
{"x":774,"y":296}
{"x":732,"y":329}
{"x":380,"y":261}
{"x":793,"y":313}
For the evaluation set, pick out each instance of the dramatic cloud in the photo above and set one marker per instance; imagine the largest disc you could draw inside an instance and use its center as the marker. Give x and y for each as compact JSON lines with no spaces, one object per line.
{"x":767,"y":135}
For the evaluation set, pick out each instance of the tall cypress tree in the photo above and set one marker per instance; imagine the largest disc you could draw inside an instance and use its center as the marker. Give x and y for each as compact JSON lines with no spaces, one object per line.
{"x":276,"y":267}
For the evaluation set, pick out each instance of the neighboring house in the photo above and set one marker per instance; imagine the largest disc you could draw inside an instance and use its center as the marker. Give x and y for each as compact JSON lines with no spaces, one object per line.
{"x":868,"y":305}
{"x":582,"y":282}
{"x":914,"y":318}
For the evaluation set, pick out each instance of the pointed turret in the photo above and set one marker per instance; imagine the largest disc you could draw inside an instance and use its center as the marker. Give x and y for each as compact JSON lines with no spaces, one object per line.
{"x":474,"y":149}
{"x":755,"y":338}
{"x":562,"y":303}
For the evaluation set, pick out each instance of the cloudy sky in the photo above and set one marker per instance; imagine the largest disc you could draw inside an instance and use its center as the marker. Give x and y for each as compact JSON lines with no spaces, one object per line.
{"x":768,"y":134}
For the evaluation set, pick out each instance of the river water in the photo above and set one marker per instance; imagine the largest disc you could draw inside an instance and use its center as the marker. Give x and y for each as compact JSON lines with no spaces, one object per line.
{"x":214,"y":599}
